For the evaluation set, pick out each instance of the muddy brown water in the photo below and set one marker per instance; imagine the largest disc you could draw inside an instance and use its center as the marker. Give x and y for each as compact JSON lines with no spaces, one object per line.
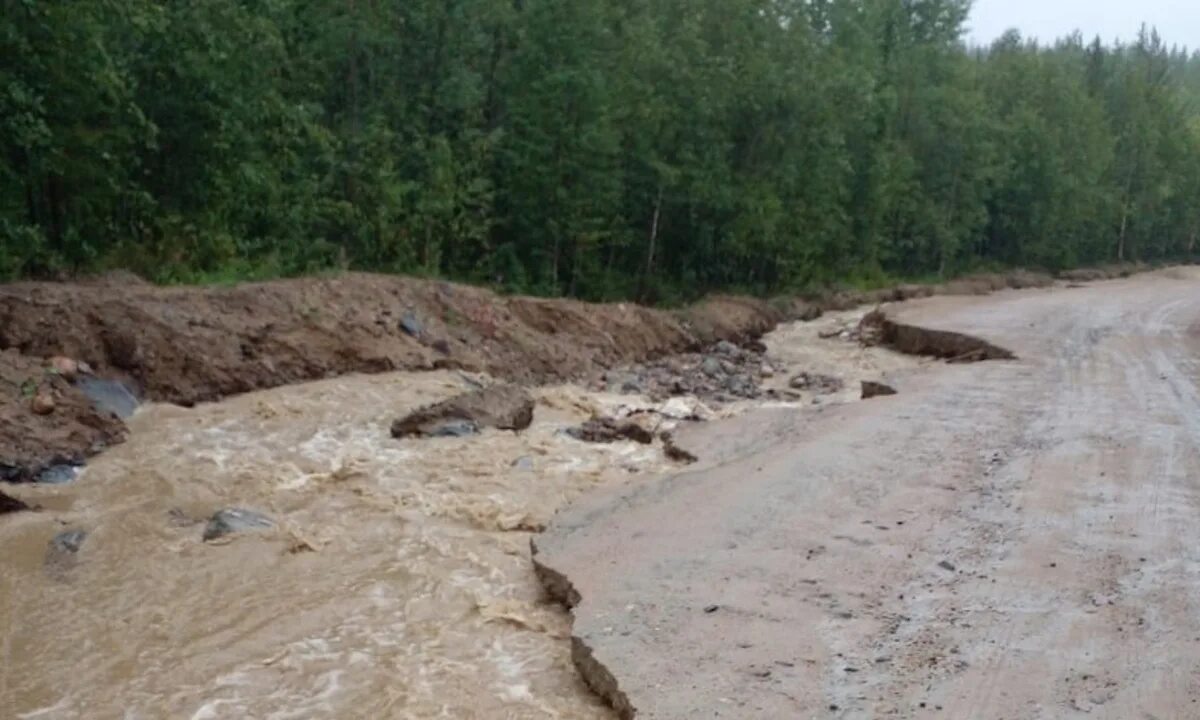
{"x":396,"y":584}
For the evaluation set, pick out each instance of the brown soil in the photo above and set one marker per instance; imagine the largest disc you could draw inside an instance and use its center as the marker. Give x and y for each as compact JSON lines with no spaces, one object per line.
{"x":952,"y":346}
{"x":31,"y":441}
{"x":189,"y":345}
{"x":11,"y":504}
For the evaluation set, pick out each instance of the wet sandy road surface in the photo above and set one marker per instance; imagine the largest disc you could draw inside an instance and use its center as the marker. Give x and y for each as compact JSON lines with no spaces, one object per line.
{"x":1005,"y":540}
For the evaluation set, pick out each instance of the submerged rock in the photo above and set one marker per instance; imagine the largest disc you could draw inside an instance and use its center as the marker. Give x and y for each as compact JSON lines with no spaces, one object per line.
{"x":108,"y":396}
{"x":62,"y":552}
{"x":68,"y":542}
{"x":235,"y":520}
{"x":502,"y":406}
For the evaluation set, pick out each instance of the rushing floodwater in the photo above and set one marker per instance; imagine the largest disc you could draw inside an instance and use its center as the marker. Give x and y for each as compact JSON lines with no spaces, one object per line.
{"x":397,"y":583}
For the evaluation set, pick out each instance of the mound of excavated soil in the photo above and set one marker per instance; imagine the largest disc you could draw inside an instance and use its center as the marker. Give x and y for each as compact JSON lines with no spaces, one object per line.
{"x":188,"y":345}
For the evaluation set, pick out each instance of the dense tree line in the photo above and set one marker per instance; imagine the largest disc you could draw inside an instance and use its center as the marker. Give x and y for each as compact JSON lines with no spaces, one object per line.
{"x":597,"y":148}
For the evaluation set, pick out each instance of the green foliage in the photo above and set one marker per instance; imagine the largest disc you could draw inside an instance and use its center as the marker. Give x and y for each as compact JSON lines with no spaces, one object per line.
{"x":649,"y":149}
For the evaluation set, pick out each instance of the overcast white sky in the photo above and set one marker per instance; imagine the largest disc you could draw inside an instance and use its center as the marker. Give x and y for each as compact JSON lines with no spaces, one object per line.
{"x":1178,"y":21}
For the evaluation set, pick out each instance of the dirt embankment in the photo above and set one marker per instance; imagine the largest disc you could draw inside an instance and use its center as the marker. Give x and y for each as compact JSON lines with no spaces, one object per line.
{"x":44,"y":421}
{"x":189,"y":345}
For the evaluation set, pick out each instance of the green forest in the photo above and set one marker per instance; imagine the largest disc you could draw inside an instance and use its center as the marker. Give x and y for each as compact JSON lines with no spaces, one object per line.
{"x":648,"y":149}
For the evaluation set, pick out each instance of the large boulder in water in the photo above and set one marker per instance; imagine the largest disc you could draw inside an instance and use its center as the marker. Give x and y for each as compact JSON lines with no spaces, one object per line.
{"x":502,"y":406}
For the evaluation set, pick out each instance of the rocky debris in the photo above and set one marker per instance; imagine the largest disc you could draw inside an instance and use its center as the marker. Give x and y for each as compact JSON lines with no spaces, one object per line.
{"x":617,"y":381}
{"x":866,"y":332}
{"x":721,"y":373}
{"x":410,"y":324}
{"x":873,"y":389}
{"x":524,"y":464}
{"x":67,"y":368}
{"x":450,"y":429}
{"x":502,"y":406}
{"x":68,"y":542}
{"x":42,"y":403}
{"x":108,"y":396}
{"x":9,"y":504}
{"x":817,"y":383}
{"x":674,"y":452}
{"x":609,"y":430}
{"x":32,"y":439}
{"x":58,"y":474}
{"x":235,"y":520}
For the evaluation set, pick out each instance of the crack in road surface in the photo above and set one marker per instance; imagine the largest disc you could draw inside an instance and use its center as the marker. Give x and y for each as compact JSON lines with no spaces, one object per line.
{"x":1002,"y":540}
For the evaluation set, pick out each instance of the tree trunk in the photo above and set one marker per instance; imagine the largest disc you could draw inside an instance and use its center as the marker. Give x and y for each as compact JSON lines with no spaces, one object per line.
{"x":652,"y":245}
{"x":1121,"y":236}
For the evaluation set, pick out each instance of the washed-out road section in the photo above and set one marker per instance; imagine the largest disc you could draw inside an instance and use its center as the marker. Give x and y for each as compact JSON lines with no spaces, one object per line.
{"x":1009,"y":539}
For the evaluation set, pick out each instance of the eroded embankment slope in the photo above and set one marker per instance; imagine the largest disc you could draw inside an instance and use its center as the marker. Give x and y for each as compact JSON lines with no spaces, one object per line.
{"x":188,"y":345}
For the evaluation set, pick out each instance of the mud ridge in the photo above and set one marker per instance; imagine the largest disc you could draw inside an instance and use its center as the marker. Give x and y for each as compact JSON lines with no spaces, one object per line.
{"x":199,"y":344}
{"x":943,"y":344}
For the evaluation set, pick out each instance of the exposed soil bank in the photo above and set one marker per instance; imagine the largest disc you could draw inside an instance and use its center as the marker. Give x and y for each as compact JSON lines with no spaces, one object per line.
{"x":63,"y":432}
{"x":952,"y":346}
{"x":189,"y":345}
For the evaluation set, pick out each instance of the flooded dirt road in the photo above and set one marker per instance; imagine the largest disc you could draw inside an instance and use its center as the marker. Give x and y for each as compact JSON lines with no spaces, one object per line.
{"x":1011,"y":539}
{"x":396,"y":582}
